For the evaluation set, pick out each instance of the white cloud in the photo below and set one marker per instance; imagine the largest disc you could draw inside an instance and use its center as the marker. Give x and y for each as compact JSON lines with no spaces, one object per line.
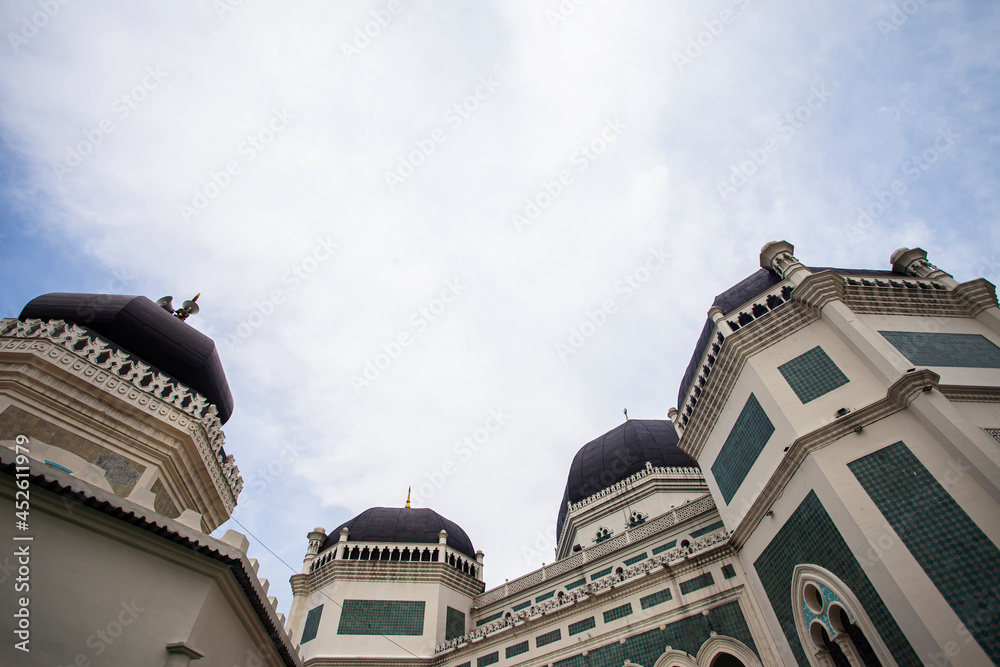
{"x":323,"y":176}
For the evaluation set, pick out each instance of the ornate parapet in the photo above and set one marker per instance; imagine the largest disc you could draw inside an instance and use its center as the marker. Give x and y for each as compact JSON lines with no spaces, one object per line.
{"x":582,"y":594}
{"x":96,"y":362}
{"x":597,"y":551}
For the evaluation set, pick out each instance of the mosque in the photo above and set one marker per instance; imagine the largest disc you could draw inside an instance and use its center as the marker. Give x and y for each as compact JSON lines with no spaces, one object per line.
{"x":826,"y":492}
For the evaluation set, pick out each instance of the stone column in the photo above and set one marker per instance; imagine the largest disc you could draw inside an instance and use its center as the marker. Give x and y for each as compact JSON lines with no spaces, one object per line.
{"x":777,"y":256}
{"x":907,"y":262}
{"x":316,"y":538}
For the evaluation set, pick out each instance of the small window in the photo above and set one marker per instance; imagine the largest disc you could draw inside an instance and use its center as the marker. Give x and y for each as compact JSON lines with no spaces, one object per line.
{"x":312,"y":624}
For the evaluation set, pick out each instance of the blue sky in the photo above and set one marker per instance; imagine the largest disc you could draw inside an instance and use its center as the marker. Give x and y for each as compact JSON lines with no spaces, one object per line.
{"x":472,"y":184}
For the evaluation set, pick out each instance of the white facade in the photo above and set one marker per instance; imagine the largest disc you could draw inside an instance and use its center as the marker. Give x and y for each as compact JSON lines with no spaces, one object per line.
{"x":820,"y":409}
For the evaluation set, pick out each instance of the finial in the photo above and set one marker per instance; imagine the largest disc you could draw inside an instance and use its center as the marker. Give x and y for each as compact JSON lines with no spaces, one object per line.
{"x":408,"y":496}
{"x":626,"y":413}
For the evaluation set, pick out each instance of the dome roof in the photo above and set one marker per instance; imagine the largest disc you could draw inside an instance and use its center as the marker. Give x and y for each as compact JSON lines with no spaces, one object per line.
{"x":618,"y":454}
{"x":138,"y":326}
{"x":402,"y":524}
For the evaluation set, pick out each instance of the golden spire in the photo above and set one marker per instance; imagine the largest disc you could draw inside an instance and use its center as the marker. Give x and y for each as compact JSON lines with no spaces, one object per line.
{"x":408,"y":496}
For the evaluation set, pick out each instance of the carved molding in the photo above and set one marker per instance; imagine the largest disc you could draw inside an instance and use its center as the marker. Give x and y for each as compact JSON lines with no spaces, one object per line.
{"x":740,"y":346}
{"x":95,"y":364}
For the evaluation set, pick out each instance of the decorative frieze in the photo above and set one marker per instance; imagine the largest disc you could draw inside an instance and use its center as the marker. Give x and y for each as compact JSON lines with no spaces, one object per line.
{"x":95,"y":361}
{"x":585,"y":592}
{"x":597,"y":551}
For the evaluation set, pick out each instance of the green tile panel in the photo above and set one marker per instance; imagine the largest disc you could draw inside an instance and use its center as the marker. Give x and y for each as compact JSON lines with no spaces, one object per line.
{"x":728,"y":571}
{"x":708,"y":529}
{"x":488,"y":659}
{"x":516,"y":649}
{"x":523,"y":605}
{"x":810,"y":536}
{"x":656,"y":598}
{"x":696,"y":584}
{"x":544,"y":596}
{"x":467,"y":663}
{"x":663,"y":547}
{"x":582,"y":626}
{"x":486,"y":619}
{"x":603,"y":573}
{"x":686,"y":634}
{"x":744,"y":444}
{"x":635,"y":559}
{"x":576,"y":584}
{"x":548,"y":638}
{"x":454,"y":624}
{"x":945,"y":349}
{"x":382,"y":617}
{"x":812,"y":374}
{"x":618,"y":612}
{"x":311,"y":626}
{"x":961,"y":561}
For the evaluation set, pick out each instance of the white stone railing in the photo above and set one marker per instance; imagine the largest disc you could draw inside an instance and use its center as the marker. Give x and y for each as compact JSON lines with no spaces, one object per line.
{"x":396,"y":553}
{"x":627,"y":483}
{"x":129,"y":378}
{"x":586,"y":591}
{"x":592,"y":553}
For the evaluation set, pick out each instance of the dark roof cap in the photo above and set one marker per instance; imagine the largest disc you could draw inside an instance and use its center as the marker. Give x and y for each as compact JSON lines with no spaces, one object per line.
{"x":618,"y":454}
{"x":419,"y":525}
{"x":141,"y":328}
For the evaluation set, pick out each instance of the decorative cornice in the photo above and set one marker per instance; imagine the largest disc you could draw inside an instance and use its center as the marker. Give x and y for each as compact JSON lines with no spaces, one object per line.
{"x":967,"y":394}
{"x":650,"y":476}
{"x":976,"y":296}
{"x":595,"y":552}
{"x":818,"y":289}
{"x":740,"y":346}
{"x":95,"y":362}
{"x":358,"y":570}
{"x":591,"y":590}
{"x":895,"y":400}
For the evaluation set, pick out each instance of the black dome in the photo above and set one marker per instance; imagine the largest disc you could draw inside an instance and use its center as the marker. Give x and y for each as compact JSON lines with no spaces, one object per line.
{"x":620,"y":453}
{"x":403,"y":524}
{"x":140,"y":327}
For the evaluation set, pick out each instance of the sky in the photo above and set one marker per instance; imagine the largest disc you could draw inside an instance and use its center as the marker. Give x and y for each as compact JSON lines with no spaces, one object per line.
{"x":444,"y":245}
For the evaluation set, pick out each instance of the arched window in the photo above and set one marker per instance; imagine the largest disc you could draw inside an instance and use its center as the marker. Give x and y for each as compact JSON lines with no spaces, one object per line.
{"x":832,"y":624}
